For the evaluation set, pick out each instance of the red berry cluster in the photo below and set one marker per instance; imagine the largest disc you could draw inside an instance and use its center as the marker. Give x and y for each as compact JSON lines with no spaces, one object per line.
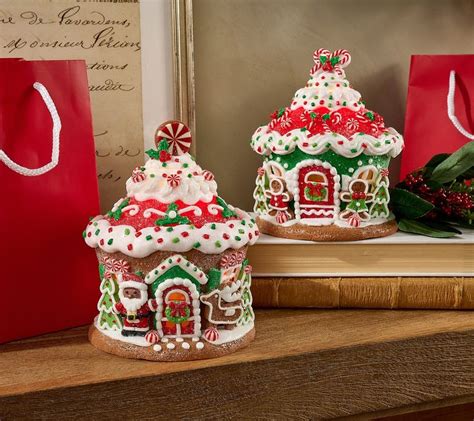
{"x":448,"y":202}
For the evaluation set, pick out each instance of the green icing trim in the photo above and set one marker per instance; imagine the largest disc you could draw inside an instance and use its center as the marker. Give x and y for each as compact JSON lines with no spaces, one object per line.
{"x":226,"y":212}
{"x":341,"y":163}
{"x":177,"y":219}
{"x":117,"y":213}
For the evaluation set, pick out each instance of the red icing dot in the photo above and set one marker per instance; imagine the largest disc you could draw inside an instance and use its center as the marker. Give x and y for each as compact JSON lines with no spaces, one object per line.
{"x":176,"y":160}
{"x":159,"y":240}
{"x":293,"y":103}
{"x":137,"y":234}
{"x":130,"y":246}
{"x":321,"y":102}
{"x":205,"y":236}
{"x":231,"y":225}
{"x":355,"y":104}
{"x":257,"y":232}
{"x":89,"y":223}
{"x":337,"y":103}
{"x":338,"y":84}
{"x":89,"y":234}
{"x":364,"y":145}
{"x":226,"y":236}
{"x":323,"y":77}
{"x":316,"y":84}
{"x":157,"y":229}
{"x":305,"y":144}
{"x":101,"y":242}
{"x":305,"y":102}
{"x":111,"y":229}
{"x":178,"y":260}
{"x":179,"y":171}
{"x":185,"y":234}
{"x":340,"y":142}
{"x":165,"y":175}
{"x":250,"y":235}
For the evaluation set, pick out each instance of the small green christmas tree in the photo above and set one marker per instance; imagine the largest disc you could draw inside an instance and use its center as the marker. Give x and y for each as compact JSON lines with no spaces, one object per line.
{"x":261,"y":201}
{"x":248,"y":315}
{"x":379,"y":206}
{"x":108,"y":320}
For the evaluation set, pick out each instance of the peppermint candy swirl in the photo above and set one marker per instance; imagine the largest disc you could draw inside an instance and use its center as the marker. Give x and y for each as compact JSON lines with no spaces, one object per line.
{"x":174,"y":180}
{"x":138,"y":175}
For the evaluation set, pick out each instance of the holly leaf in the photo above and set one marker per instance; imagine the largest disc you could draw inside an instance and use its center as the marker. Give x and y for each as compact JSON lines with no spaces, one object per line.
{"x":406,"y":204}
{"x":436,"y":160}
{"x":454,"y":165}
{"x":420,"y":228}
{"x":442,"y":225}
{"x":152,"y":153}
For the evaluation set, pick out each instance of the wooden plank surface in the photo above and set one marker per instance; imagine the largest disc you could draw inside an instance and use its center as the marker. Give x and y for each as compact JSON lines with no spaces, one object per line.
{"x":303,"y":363}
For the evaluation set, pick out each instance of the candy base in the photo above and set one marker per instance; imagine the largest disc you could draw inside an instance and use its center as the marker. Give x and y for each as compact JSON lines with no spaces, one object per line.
{"x":327,"y":233}
{"x":176,"y":351}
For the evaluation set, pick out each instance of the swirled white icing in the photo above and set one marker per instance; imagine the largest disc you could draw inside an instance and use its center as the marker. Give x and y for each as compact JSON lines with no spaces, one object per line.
{"x":211,"y":238}
{"x":328,"y":90}
{"x":390,"y":142}
{"x":192,"y":186}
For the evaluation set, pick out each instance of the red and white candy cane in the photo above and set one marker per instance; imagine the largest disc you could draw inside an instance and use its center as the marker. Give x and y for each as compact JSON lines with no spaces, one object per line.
{"x":178,"y":136}
{"x":328,"y":64}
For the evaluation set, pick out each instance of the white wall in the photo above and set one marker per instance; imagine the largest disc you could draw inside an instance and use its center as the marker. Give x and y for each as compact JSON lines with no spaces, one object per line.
{"x":157,"y":66}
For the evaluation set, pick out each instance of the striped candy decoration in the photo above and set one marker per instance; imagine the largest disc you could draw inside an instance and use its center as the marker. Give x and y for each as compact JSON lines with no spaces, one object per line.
{"x":281,"y":217}
{"x":384,"y":172}
{"x":211,"y":334}
{"x":174,"y":180}
{"x":354,"y":220}
{"x":152,"y":337}
{"x":208,"y":176}
{"x":177,"y":135}
{"x":335,"y":61}
{"x":138,"y":175}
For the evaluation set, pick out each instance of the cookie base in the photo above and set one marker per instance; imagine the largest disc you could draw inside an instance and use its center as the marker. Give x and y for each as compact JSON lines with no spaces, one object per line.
{"x":177,"y":353}
{"x":327,"y":232}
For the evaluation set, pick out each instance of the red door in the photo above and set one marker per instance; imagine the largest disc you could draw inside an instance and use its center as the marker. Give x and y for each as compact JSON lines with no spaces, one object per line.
{"x":316,"y":192}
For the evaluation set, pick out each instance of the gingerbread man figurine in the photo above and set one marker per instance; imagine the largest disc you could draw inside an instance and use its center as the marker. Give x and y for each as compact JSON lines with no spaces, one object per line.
{"x":357,"y":197}
{"x":279,"y":199}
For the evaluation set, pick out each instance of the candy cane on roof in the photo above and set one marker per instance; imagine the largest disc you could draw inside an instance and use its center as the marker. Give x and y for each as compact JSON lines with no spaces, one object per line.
{"x":344,"y":57}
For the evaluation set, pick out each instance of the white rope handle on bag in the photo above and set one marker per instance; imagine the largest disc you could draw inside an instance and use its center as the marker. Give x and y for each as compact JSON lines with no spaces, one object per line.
{"x":31,"y":172}
{"x":451,"y":109}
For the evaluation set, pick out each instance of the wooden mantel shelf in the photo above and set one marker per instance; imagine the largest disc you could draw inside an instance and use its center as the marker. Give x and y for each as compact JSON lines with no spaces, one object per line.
{"x":303,"y":364}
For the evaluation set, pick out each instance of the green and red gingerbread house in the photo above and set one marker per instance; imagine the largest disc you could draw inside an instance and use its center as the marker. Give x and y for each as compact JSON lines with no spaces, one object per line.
{"x":326,"y":158}
{"x":175,"y":282}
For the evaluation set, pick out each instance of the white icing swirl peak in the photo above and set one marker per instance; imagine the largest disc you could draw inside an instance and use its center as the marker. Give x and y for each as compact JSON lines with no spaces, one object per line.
{"x":179,"y":178}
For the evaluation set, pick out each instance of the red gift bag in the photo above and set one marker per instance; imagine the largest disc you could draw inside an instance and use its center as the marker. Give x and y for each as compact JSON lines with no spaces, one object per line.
{"x":439,"y":117}
{"x":49,"y":189}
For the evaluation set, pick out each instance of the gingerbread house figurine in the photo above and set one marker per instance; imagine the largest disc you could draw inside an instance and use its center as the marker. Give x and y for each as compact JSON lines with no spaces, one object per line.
{"x":175,"y":281}
{"x":326,"y":157}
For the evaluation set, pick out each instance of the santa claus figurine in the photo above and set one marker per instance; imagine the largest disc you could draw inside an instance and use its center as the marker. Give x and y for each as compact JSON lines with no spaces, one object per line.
{"x":134,"y":306}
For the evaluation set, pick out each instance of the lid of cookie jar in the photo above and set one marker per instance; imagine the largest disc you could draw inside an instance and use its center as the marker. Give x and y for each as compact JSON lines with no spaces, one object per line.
{"x":171,"y":204}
